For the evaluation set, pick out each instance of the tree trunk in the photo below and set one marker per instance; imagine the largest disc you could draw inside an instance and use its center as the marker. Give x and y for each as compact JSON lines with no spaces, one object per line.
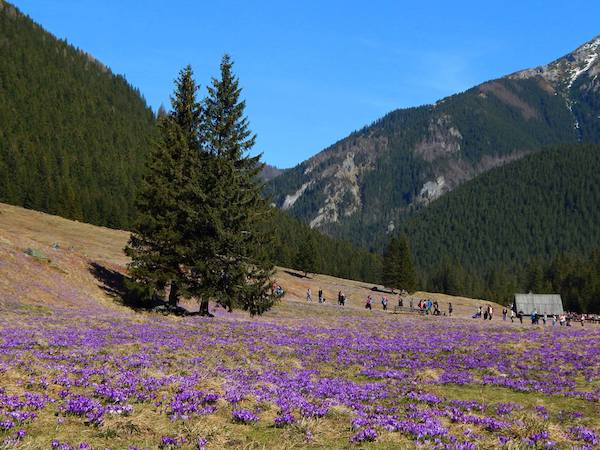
{"x":174,"y":294}
{"x":204,"y":308}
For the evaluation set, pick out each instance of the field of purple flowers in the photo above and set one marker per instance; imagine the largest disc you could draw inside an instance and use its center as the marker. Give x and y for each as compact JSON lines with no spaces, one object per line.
{"x":299,"y":377}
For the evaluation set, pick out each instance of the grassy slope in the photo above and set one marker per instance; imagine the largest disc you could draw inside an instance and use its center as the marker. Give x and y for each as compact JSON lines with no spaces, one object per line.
{"x":67,"y":279}
{"x":32,"y":288}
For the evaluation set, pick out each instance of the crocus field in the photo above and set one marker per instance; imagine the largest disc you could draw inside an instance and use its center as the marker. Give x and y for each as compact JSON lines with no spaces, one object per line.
{"x":303,"y":376}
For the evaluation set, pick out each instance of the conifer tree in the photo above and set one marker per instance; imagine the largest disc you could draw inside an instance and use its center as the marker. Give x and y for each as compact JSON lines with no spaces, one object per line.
{"x":390,"y":276}
{"x":230,"y":262}
{"x":398,"y":269}
{"x":306,"y":258}
{"x":156,"y":245}
{"x":153,"y":245}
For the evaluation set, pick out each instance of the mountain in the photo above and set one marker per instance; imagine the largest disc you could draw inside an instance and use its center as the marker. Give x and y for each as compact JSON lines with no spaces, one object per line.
{"x":541,"y":206}
{"x":74,"y":136}
{"x":363,"y":186}
{"x":530,"y":225}
{"x":269,"y":172}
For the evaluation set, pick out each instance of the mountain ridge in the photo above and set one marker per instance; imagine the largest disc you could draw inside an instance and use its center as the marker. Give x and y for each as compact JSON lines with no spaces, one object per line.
{"x":362,"y":186}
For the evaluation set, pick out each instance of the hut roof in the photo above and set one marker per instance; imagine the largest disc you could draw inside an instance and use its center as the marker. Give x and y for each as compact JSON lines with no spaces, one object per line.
{"x":542,"y":303}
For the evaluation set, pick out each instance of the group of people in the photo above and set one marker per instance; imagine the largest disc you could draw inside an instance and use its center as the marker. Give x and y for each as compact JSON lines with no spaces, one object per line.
{"x":564,"y":320}
{"x":432,"y":307}
{"x":321,"y":297}
{"x":486,"y":313}
{"x":384,"y":303}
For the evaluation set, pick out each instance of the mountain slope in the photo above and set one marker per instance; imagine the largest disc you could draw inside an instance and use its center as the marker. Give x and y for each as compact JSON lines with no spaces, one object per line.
{"x":538,"y":207}
{"x":362,"y":186}
{"x":74,"y":136}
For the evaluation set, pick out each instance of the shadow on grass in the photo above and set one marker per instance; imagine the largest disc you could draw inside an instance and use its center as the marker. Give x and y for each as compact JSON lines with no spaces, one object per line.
{"x":129,"y":293}
{"x":296,"y":274}
{"x":378,"y":289}
{"x":112,"y":282}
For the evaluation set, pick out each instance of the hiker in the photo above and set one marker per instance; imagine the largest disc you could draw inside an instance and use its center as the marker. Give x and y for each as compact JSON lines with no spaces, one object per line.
{"x":308,"y":295}
{"x":343,"y":299}
{"x":490,"y":312}
{"x":504,"y":313}
{"x":369,"y":305}
{"x":384,"y":303}
{"x":534,"y":317}
{"x":450,"y":309}
{"x":340,"y":298}
{"x":320,"y":295}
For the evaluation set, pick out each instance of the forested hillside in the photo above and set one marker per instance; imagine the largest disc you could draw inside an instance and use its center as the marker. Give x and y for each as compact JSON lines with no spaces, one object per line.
{"x":502,"y":230}
{"x":361,"y":187}
{"x":74,"y":136}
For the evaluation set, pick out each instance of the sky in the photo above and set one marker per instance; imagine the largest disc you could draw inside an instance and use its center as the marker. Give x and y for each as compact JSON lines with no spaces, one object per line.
{"x":313,"y":71}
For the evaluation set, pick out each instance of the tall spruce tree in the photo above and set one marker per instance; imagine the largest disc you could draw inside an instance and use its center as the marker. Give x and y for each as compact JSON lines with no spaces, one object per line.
{"x":306,"y":258}
{"x":398,"y":270}
{"x":158,"y":257}
{"x":231,"y":262}
{"x":390,"y":276}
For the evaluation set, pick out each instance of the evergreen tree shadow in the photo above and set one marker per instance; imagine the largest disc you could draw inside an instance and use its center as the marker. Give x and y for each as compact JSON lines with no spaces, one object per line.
{"x":296,"y":274}
{"x":123,"y":289}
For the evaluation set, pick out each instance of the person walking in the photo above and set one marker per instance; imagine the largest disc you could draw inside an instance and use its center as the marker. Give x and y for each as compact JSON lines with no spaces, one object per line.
{"x":384,"y":303}
{"x":490,"y":312}
{"x":512,"y":316}
{"x":320,"y":295}
{"x":308,"y":295}
{"x":450,"y":309}
{"x":504,"y":313}
{"x":369,"y":305}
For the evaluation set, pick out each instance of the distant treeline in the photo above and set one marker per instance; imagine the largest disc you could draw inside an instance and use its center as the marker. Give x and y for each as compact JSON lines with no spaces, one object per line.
{"x":332,"y":257}
{"x":532,"y":215}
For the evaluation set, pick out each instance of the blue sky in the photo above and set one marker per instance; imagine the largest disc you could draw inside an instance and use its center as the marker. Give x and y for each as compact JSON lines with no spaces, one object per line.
{"x":313,"y":71}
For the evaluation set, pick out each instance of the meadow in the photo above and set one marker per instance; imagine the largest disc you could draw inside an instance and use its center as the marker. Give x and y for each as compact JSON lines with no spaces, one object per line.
{"x":78,"y":370}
